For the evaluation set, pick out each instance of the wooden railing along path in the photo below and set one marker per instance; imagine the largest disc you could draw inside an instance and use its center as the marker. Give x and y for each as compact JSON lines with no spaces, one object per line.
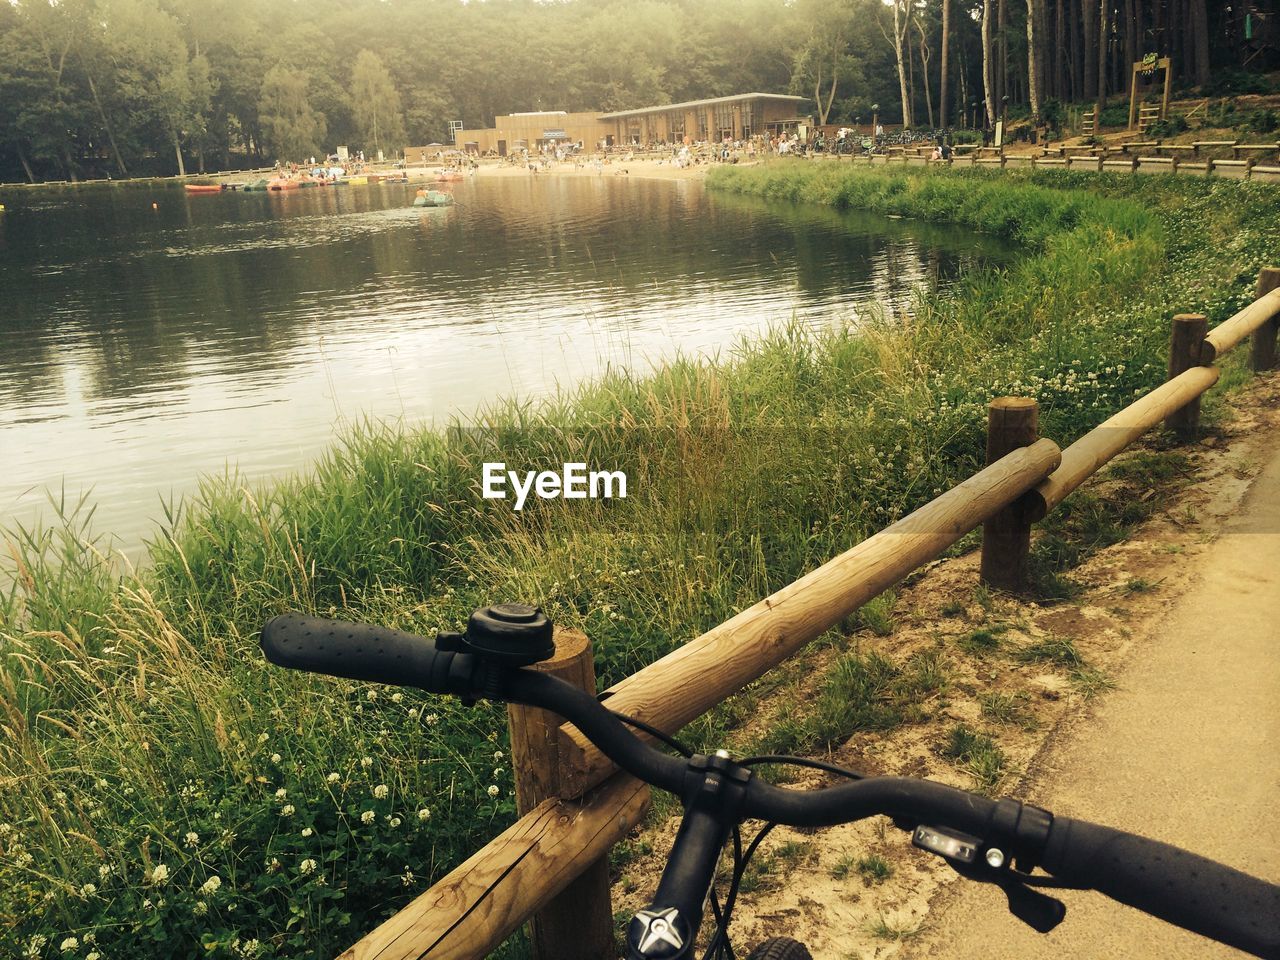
{"x":549,"y":867}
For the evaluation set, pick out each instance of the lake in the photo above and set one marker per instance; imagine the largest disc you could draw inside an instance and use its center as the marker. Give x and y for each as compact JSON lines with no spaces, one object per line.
{"x":142,"y":347}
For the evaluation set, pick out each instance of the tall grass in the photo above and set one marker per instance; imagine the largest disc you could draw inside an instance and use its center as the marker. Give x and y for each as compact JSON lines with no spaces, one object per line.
{"x":165,"y":793}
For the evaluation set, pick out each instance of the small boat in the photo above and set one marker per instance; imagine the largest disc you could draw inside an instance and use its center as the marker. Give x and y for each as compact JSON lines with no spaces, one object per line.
{"x":255,"y":186}
{"x":282,"y":183}
{"x":433,"y":198}
{"x":203,"y":188}
{"x":356,"y":181}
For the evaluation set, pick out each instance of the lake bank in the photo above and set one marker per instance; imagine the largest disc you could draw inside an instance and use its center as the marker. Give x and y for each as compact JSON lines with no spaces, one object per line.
{"x":146,"y":701}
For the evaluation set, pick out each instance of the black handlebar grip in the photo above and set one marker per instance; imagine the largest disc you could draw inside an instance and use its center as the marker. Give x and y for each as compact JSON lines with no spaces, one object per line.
{"x":1182,"y":888}
{"x":365,"y":651}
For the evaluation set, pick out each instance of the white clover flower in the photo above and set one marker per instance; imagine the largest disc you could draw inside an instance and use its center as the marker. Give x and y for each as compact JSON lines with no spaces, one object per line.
{"x":497,"y":755}
{"x":333,"y":778}
{"x":430,"y":719}
{"x":397,"y":697}
{"x":262,"y":738}
{"x":69,"y":944}
{"x":199,"y":908}
{"x":287,"y":810}
{"x":88,"y":889}
{"x":274,"y":865}
{"x":275,"y":758}
{"x":395,"y":822}
{"x":36,"y":945}
{"x":368,"y":816}
{"x":306,"y":866}
{"x":380,"y":792}
{"x":192,"y":839}
{"x":307,"y":831}
{"x":373,"y":695}
{"x":497,"y":772}
{"x":210,"y":886}
{"x":407,"y":877}
{"x":281,"y":793}
{"x":6,"y":829}
{"x":493,"y":790}
{"x":424,"y":813}
{"x":159,"y":873}
{"x":104,"y":871}
{"x":366,"y":762}
{"x":413,"y":713}
{"x":93,"y":955}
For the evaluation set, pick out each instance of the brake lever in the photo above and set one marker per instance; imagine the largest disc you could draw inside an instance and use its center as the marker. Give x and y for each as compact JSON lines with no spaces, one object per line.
{"x":1037,"y":910}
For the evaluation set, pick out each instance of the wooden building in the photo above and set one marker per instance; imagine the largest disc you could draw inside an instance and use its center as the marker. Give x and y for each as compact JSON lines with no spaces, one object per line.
{"x":737,"y":117}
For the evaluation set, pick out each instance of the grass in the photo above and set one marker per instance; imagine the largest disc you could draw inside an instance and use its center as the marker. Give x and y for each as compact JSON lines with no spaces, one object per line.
{"x":135,"y":709}
{"x":978,"y":755}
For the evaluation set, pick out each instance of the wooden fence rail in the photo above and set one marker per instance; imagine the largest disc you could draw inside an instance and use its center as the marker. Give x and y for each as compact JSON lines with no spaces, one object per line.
{"x":475,"y":907}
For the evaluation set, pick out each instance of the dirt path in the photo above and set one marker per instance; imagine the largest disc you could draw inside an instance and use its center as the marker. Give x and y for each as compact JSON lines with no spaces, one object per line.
{"x":1187,"y":750}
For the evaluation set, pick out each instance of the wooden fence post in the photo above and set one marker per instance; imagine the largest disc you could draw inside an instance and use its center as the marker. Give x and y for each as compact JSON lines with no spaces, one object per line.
{"x":1263,"y":355}
{"x":1012,"y":422}
{"x":577,"y":924}
{"x":1189,"y":330}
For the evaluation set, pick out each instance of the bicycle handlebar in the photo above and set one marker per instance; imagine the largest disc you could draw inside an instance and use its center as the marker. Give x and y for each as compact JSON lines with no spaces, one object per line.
{"x":1181,"y":888}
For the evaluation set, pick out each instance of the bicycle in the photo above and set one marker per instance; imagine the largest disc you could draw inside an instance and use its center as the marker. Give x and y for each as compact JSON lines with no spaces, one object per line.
{"x":1000,"y":842}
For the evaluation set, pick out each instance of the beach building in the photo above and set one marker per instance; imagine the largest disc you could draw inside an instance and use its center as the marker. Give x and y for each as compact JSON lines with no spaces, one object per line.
{"x":719,"y":118}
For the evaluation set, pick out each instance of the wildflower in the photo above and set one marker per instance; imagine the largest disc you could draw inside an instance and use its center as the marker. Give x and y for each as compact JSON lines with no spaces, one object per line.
{"x":192,"y":839}
{"x":395,"y":822}
{"x":36,"y":945}
{"x":430,"y":719}
{"x":159,"y":873}
{"x":380,"y":792}
{"x":493,"y":790}
{"x":275,"y":758}
{"x":333,"y":778}
{"x":88,"y":889}
{"x":69,"y":944}
{"x":93,"y":955}
{"x":262,"y":738}
{"x":366,"y":762}
{"x":210,"y":886}
{"x":397,"y":697}
{"x":281,"y":793}
{"x":373,"y":695}
{"x":368,"y":816}
{"x":307,"y":831}
{"x":147,"y":904}
{"x":6,"y":829}
{"x":306,"y":866}
{"x":274,"y":865}
{"x":424,"y":813}
{"x":104,"y":871}
{"x":287,"y":810}
{"x":407,"y":877}
{"x":413,"y":713}
{"x":497,"y":755}
{"x":497,"y":772}
{"x":200,"y":908}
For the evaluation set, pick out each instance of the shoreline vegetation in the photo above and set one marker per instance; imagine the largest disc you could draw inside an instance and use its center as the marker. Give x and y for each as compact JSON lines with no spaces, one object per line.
{"x":166,"y":793}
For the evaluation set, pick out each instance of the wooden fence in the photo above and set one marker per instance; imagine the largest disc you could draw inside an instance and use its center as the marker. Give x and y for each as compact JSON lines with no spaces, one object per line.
{"x":549,"y":867}
{"x":1183,"y":159}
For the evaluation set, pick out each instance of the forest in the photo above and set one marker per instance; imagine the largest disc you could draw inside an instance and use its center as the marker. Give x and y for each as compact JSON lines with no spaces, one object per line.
{"x":120,"y":88}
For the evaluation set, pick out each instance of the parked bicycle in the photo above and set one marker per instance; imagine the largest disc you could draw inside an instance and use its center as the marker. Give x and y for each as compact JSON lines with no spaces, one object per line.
{"x":1001,"y":842}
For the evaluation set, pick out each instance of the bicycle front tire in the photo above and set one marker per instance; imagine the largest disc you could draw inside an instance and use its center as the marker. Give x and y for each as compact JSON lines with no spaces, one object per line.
{"x":780,"y":948}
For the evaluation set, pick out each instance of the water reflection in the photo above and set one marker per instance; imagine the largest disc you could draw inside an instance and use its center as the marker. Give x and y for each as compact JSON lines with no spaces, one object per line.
{"x":141,"y":347}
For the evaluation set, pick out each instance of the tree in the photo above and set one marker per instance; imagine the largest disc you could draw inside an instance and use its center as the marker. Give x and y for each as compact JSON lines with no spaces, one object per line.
{"x":946,"y":42}
{"x":822,"y":61}
{"x":291,"y":127}
{"x":375,"y":102}
{"x":988,"y":65}
{"x":901,"y":23}
{"x":1035,"y":54}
